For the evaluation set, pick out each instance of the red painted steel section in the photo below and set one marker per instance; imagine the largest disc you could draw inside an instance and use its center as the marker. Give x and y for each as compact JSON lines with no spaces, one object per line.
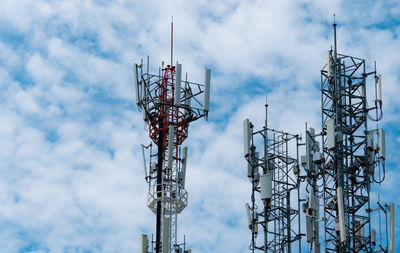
{"x":168,"y":114}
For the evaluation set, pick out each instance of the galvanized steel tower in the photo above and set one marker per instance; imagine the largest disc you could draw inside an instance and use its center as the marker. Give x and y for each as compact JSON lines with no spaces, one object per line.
{"x":275,"y":200}
{"x":353,"y":154}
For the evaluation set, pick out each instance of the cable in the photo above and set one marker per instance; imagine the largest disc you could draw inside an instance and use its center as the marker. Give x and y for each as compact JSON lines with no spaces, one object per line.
{"x":384,"y":174}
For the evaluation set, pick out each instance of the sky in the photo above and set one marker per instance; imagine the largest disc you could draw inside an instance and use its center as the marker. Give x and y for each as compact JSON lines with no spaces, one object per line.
{"x":71,"y":175}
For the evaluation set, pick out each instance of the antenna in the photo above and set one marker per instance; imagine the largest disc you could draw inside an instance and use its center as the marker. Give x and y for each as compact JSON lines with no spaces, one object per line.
{"x":248,"y":215}
{"x":135,"y":72}
{"x":247,"y":136}
{"x":207,"y":90}
{"x":187,"y":103}
{"x":178,"y":78}
{"x":328,"y":65}
{"x":380,"y":88}
{"x":184,"y":162}
{"x":342,"y":225}
{"x":144,"y":162}
{"x":266,"y":186}
{"x":145,"y":243}
{"x":171,"y":136}
{"x":334,"y":36}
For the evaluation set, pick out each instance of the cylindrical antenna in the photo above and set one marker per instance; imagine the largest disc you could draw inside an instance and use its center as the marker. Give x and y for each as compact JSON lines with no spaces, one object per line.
{"x":248,"y":215}
{"x":184,"y":161}
{"x":380,"y":87}
{"x":148,"y":65}
{"x":342,"y":225}
{"x":329,"y":63}
{"x":178,"y":79}
{"x":187,"y":102}
{"x":144,"y":243}
{"x":247,"y":137}
{"x":171,"y":136}
{"x":144,"y":101}
{"x":207,"y":90}
{"x":144,"y":162}
{"x":391,"y":228}
{"x":135,"y":73}
{"x":334,"y":36}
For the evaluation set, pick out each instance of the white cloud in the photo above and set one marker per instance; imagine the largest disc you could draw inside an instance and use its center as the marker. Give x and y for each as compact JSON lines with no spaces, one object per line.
{"x":43,"y":71}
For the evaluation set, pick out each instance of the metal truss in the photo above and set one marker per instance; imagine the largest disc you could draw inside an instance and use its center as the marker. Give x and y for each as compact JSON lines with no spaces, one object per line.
{"x":348,"y":161}
{"x":168,"y":104}
{"x":277,"y":189}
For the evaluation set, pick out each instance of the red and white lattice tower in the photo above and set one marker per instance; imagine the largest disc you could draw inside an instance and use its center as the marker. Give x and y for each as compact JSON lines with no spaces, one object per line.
{"x":168,"y":104}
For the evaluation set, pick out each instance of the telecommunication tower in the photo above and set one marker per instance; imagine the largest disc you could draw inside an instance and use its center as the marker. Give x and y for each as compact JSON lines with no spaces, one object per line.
{"x":169,"y":103}
{"x":352,"y":156}
{"x":275,"y":199}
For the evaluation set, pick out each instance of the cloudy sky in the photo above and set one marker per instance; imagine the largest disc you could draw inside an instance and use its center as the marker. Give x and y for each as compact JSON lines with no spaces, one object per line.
{"x":71,"y":176}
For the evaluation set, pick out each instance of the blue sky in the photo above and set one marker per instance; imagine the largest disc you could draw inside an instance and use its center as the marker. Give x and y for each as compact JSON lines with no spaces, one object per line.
{"x":71,"y":177}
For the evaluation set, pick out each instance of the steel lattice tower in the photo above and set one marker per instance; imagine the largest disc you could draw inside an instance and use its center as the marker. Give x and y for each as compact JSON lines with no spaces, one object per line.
{"x":277,"y":186}
{"x":169,"y":104}
{"x":350,"y":156}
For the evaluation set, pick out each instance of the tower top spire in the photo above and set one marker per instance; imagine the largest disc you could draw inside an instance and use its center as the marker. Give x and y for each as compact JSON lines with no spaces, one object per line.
{"x":172,"y":39}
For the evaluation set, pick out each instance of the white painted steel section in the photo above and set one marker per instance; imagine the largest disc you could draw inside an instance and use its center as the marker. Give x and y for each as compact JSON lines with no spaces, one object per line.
{"x":166,"y":228}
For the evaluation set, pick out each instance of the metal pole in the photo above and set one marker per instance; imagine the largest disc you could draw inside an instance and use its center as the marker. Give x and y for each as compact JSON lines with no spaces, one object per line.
{"x":159,"y":186}
{"x":267,"y":168}
{"x":391,"y":228}
{"x":298,"y":190}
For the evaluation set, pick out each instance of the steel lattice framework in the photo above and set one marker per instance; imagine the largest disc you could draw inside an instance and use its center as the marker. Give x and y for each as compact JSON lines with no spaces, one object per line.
{"x":169,"y":104}
{"x":348,"y":164}
{"x":284,"y":217}
{"x":280,"y":213}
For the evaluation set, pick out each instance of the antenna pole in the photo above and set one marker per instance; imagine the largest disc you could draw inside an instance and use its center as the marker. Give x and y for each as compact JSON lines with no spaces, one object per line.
{"x":334,"y":37}
{"x":172,"y":39}
{"x":267,"y":168}
{"x":159,"y":186}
